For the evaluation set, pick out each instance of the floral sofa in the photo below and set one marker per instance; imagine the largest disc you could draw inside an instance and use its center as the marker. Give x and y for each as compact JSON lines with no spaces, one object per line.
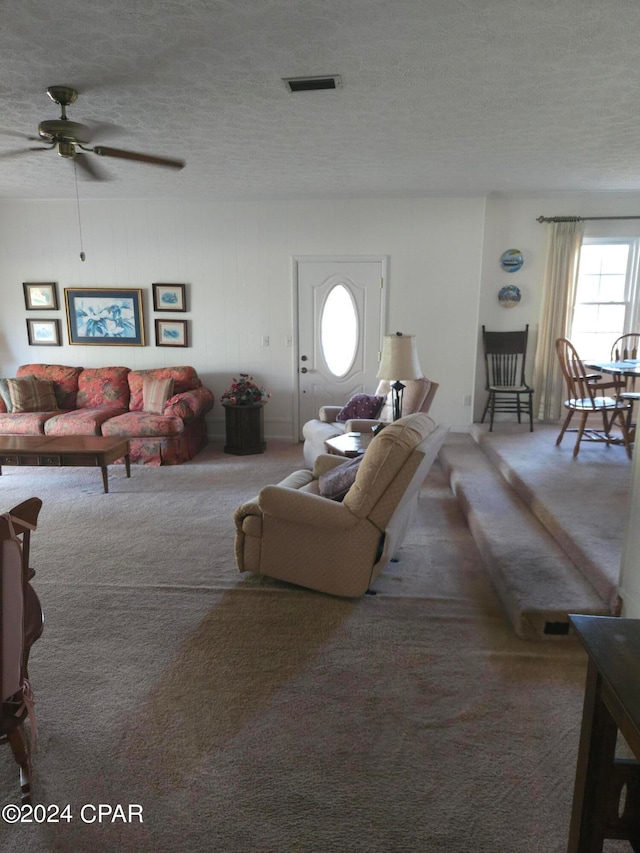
{"x":161,"y":411}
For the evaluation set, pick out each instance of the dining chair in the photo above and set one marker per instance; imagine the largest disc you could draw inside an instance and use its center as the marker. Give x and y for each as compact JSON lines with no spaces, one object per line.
{"x":587,"y":398}
{"x":626,"y":346}
{"x":505,"y":356}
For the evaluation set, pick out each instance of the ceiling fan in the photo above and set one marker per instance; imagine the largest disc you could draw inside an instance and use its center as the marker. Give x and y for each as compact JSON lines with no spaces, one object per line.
{"x":73,"y":140}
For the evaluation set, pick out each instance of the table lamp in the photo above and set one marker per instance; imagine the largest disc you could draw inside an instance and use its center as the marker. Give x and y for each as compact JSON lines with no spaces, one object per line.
{"x":399,"y":361}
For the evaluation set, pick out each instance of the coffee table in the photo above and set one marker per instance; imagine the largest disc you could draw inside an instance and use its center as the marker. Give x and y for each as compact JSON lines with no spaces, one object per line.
{"x":350,"y":444}
{"x":65,"y":451}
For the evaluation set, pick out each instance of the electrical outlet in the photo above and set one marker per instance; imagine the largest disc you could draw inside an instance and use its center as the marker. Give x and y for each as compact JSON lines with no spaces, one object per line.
{"x":265,"y":340}
{"x":466,"y":400}
{"x":288,"y":340}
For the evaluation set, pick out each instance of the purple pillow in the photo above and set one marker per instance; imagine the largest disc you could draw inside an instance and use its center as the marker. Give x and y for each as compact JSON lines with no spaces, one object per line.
{"x":361,"y":406}
{"x":336,"y":483}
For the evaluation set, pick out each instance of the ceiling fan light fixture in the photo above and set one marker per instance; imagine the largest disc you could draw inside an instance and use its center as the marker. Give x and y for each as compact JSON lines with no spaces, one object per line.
{"x":66,"y":149}
{"x":313,"y":84}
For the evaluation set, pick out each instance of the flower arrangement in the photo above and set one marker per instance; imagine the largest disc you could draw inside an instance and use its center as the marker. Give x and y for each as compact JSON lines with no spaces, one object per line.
{"x":244,"y":391}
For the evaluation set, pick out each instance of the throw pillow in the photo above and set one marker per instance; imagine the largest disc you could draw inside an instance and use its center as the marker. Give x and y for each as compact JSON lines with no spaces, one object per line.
{"x":155,"y":393}
{"x":361,"y":406}
{"x":32,"y":395}
{"x":4,"y":393}
{"x":336,"y":483}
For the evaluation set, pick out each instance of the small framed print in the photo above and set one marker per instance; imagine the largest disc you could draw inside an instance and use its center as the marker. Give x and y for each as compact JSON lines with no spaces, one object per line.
{"x":171,"y":333}
{"x":40,"y":295}
{"x":44,"y":333}
{"x":169,"y":297}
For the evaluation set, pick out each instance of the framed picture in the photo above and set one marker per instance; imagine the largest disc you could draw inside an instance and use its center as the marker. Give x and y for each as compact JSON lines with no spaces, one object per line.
{"x":97,"y":315}
{"x":171,"y":333}
{"x":169,"y":297}
{"x":40,"y":295}
{"x":44,"y":333}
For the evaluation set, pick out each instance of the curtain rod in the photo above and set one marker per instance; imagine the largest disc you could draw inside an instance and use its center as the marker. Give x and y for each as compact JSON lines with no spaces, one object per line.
{"x":580,"y":218}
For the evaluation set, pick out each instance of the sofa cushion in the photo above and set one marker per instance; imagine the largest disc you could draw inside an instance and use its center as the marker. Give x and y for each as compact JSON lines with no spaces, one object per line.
{"x":185,"y":378}
{"x":24,"y":423}
{"x":336,"y":483}
{"x":64,"y":378}
{"x":138,"y":424}
{"x":155,"y":393}
{"x":31,"y":395}
{"x":103,"y":386}
{"x":80,"y":421}
{"x":361,"y":406}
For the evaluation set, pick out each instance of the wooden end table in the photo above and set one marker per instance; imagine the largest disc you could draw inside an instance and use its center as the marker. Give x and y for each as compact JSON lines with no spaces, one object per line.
{"x":606,"y":800}
{"x":64,"y":451}
{"x":244,"y":428}
{"x":350,"y":444}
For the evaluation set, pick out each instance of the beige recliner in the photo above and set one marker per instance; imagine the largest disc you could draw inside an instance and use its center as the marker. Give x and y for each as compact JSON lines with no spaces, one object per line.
{"x":293,"y":533}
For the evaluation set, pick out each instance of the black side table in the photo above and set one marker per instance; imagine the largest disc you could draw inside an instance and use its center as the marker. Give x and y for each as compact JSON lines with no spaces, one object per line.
{"x":244,"y":428}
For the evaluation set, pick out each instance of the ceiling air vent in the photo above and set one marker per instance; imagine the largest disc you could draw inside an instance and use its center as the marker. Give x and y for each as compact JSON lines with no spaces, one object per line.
{"x":312,"y":84}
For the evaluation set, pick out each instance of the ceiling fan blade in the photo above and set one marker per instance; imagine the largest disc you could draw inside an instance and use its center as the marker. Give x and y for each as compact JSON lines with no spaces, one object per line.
{"x":103,"y":129}
{"x":16,"y":134}
{"x":16,"y":152}
{"x":89,"y":168}
{"x":103,"y":151}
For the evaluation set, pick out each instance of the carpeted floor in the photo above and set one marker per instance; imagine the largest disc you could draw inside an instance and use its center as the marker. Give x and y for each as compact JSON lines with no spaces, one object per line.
{"x":246,"y":715}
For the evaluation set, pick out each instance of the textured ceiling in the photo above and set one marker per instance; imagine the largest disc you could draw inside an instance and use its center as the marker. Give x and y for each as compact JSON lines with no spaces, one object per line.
{"x":439,"y":96}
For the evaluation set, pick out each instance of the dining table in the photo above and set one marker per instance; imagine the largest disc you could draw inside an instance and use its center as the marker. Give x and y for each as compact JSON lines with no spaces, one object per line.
{"x":626,"y":368}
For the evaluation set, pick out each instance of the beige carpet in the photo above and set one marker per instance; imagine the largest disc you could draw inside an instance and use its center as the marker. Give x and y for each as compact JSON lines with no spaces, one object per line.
{"x":246,"y":715}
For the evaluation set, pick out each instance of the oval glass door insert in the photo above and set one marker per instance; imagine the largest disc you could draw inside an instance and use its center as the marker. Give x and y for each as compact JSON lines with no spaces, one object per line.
{"x":339,"y":330}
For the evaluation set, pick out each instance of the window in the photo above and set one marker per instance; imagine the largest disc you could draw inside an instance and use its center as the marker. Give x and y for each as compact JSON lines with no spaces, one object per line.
{"x":605,"y":305}
{"x":339,"y":330}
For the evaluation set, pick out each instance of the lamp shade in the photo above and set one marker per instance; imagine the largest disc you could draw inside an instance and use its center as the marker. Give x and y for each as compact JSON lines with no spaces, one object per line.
{"x":399,"y":358}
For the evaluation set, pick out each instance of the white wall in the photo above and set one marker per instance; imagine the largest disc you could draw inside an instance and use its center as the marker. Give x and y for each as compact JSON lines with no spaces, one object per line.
{"x":236,"y":261}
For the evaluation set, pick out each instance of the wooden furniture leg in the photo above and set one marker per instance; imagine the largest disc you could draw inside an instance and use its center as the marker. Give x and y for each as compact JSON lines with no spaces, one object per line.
{"x":593,"y":773}
{"x":18,"y":745}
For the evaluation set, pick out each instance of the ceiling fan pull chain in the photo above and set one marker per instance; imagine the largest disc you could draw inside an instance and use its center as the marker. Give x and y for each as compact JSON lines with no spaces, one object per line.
{"x":75,"y":172}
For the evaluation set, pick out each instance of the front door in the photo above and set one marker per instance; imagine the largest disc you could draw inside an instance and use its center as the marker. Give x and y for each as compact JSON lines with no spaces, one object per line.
{"x":341,"y":319}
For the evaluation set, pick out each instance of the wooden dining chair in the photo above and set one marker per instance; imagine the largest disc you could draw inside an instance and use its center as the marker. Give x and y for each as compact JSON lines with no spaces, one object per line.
{"x":587,"y":397}
{"x":505,"y":355}
{"x":626,"y":346}
{"x":623,"y":348}
{"x":21,"y":623}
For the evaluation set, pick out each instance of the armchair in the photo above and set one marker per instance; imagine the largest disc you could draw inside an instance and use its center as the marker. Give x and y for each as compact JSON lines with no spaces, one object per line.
{"x":418,"y":396}
{"x":292,"y":533}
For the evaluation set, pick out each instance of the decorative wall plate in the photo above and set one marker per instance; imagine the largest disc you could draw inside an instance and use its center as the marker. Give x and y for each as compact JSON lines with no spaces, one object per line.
{"x":511,"y":260}
{"x":509,"y":296}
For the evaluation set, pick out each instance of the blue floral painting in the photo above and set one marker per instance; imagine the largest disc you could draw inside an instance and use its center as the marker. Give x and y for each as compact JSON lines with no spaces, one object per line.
{"x":99,"y":316}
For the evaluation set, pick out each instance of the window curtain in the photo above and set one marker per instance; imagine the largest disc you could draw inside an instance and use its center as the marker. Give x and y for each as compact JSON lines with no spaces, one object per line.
{"x":559,"y":293}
